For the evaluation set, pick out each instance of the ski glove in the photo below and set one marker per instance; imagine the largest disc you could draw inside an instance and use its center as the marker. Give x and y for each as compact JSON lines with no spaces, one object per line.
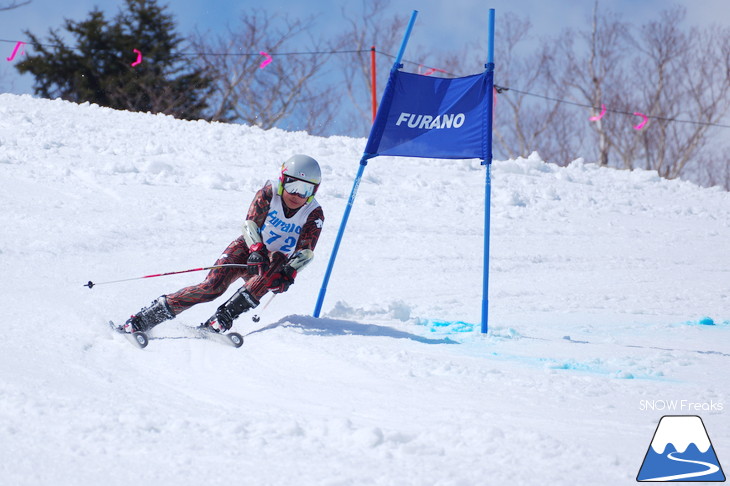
{"x":258,"y":259}
{"x":280,"y":281}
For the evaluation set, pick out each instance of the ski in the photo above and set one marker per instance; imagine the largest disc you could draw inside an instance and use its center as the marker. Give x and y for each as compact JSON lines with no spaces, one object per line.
{"x":138,"y":339}
{"x":228,"y":339}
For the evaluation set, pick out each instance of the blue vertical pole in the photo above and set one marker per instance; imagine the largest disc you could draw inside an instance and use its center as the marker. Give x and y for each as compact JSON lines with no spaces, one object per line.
{"x":333,"y":255}
{"x":488,"y":181}
{"x":402,"y":49}
{"x":356,"y":184}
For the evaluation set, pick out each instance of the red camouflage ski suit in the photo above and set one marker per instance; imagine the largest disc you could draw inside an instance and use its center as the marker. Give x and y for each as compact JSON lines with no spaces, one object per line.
{"x":219,"y":279}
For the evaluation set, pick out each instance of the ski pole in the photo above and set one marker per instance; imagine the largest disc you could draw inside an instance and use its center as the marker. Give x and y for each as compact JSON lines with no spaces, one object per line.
{"x":256,"y":318}
{"x":91,"y":284}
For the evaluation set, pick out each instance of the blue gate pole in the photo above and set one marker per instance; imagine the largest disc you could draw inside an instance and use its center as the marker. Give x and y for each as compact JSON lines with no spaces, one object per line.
{"x":356,"y":184}
{"x":488,"y":181}
{"x":340,"y":232}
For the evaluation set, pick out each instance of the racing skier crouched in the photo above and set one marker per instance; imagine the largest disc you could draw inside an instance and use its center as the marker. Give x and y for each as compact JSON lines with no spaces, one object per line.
{"x":281,"y":230}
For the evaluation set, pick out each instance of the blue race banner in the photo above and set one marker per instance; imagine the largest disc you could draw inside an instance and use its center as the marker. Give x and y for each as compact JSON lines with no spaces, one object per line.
{"x":422,"y":116}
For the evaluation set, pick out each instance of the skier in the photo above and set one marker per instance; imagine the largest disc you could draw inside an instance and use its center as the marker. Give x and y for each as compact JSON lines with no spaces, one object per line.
{"x":279,"y":235}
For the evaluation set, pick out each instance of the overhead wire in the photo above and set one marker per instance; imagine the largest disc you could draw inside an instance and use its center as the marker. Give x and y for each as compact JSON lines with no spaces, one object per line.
{"x":499,"y":89}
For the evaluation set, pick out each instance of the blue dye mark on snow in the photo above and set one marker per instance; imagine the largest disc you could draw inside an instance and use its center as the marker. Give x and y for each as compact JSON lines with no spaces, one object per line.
{"x":448,"y":327}
{"x":706,"y":321}
{"x":593,"y":367}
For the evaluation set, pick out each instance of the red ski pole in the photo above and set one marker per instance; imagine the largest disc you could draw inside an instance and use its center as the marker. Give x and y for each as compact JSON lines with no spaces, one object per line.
{"x":91,"y":284}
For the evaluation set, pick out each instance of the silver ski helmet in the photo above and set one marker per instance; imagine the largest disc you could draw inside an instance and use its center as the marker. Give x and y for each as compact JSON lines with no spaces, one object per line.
{"x":300,"y":174}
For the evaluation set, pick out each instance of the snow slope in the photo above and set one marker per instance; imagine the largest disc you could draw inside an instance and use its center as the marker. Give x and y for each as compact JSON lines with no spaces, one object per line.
{"x":610,"y":291}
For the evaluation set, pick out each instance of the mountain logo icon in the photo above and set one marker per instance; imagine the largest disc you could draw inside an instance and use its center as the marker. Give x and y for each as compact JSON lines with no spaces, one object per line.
{"x":681,"y":451}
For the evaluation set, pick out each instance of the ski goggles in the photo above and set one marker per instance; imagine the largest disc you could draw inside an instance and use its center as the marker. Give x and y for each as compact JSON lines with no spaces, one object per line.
{"x":299,"y":187}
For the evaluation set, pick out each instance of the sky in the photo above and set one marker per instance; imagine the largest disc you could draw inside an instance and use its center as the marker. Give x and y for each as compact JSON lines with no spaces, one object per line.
{"x":441,"y":25}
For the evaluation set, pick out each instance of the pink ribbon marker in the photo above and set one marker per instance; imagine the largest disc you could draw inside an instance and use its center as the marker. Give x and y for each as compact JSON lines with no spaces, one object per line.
{"x":603,"y":112}
{"x":642,"y":123}
{"x":265,"y":62}
{"x":139,"y":58}
{"x":15,"y":51}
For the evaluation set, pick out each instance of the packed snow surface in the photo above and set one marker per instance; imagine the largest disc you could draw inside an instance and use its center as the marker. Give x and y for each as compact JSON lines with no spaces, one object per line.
{"x":609,"y":298}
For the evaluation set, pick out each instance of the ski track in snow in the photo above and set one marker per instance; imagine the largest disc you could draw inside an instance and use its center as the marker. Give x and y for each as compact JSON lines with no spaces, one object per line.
{"x":601,"y":282}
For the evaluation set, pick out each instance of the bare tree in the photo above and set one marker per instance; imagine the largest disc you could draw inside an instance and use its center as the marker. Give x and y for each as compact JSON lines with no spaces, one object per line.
{"x":285,"y":88}
{"x":371,"y":28}
{"x":13,"y":4}
{"x":688,"y":81}
{"x":679,"y":80}
{"x":665,"y":48}
{"x":593,"y":70}
{"x":524,"y":123}
{"x":714,"y":168}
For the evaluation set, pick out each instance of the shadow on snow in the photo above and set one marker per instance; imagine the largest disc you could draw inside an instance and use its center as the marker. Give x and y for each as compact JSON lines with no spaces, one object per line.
{"x":338,"y":327}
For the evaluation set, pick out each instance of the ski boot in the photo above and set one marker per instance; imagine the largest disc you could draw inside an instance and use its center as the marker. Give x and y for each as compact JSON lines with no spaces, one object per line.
{"x":149,"y":317}
{"x":223,"y":318}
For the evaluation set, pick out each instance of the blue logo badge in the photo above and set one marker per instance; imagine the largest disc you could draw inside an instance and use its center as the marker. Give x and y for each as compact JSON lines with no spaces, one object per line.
{"x":681,"y":451}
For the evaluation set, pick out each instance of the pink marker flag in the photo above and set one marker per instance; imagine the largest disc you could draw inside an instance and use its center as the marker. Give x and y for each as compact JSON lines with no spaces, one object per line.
{"x":139,"y":58}
{"x":598,"y":117}
{"x":643,"y":122}
{"x":19,"y":45}
{"x":265,"y":62}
